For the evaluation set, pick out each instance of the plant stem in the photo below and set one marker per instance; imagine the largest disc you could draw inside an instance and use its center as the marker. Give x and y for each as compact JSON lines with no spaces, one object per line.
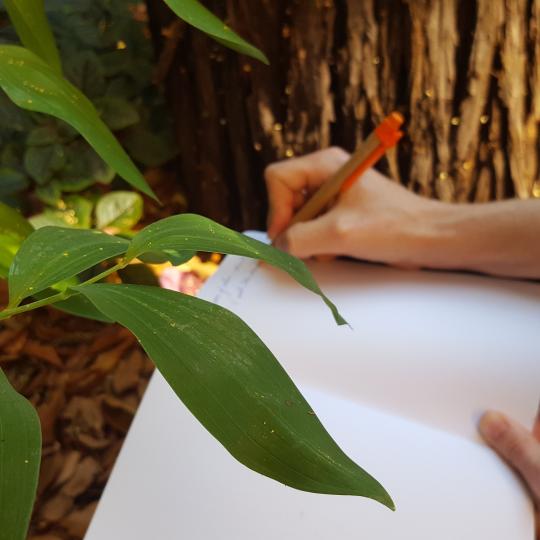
{"x":122,"y":264}
{"x":64,"y":295}
{"x":34,"y":305}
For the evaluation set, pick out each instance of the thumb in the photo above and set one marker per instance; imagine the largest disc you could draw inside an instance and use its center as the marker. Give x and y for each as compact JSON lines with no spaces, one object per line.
{"x":315,"y":237}
{"x":516,"y":445}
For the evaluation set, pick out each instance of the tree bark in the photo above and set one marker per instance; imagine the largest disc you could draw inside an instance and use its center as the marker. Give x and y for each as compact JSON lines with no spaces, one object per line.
{"x":465,"y":74}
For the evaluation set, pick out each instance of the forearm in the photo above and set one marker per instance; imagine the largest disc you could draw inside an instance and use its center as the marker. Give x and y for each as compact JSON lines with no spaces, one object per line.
{"x":500,"y":238}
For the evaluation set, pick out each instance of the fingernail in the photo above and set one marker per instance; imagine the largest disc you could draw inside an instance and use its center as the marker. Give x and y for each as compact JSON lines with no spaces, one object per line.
{"x":493,"y":426}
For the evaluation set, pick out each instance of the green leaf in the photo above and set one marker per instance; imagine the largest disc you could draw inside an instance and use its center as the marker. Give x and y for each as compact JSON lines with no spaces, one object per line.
{"x":50,"y":193}
{"x":50,"y":218}
{"x":236,"y":388}
{"x":117,"y":113}
{"x":13,"y":117}
{"x":13,"y":222}
{"x":9,"y":244}
{"x":150,"y":149}
{"x":76,"y":211}
{"x":12,"y":181}
{"x":83,"y":168}
{"x":79,"y":209}
{"x":33,"y":85}
{"x":77,"y":305}
{"x":20,"y":456}
{"x":85,"y":71}
{"x":80,"y":306}
{"x":194,"y":13}
{"x":74,"y":185}
{"x":14,"y":228}
{"x":138,"y":274}
{"x":30,"y":21}
{"x":176,"y":258}
{"x":52,"y":254}
{"x":190,"y":232}
{"x":42,"y":136}
{"x":41,"y":162}
{"x":119,"y":209}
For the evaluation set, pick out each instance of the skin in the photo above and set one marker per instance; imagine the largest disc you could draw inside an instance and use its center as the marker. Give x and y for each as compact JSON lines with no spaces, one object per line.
{"x":379,"y":220}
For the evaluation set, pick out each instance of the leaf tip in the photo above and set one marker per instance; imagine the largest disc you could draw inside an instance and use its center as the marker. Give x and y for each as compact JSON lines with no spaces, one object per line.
{"x":386,"y":500}
{"x":262,"y":57}
{"x":147,"y":190}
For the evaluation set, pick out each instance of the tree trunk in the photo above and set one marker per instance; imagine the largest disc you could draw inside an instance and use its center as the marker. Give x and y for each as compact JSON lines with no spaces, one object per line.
{"x":466,"y":74}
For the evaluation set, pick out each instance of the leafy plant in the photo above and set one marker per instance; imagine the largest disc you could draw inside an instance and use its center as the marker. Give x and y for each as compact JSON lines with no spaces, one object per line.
{"x":213,"y":361}
{"x":106,"y":55}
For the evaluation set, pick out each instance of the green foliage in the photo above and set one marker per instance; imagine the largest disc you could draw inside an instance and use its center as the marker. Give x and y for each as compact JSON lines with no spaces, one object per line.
{"x":192,"y":232}
{"x":20,"y":454}
{"x":74,"y":211}
{"x":220,"y":369}
{"x":52,"y":254}
{"x":118,"y":83}
{"x":194,"y":13}
{"x":14,"y":228}
{"x":33,"y":85}
{"x":119,"y":210}
{"x":28,"y":17}
{"x":81,"y":307}
{"x":235,"y":387}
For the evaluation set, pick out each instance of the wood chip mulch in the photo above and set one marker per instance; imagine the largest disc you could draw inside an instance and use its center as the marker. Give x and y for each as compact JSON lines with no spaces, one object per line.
{"x":86,"y":380}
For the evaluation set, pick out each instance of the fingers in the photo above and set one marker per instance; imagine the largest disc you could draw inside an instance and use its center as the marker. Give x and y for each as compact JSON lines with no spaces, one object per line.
{"x":516,"y":445}
{"x":316,"y":237}
{"x":288,"y":181}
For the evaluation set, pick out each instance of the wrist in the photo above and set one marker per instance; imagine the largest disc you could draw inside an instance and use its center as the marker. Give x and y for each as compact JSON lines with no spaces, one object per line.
{"x":440,"y":237}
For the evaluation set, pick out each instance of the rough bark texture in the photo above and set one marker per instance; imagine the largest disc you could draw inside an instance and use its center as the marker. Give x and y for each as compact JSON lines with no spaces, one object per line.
{"x":466,"y":74}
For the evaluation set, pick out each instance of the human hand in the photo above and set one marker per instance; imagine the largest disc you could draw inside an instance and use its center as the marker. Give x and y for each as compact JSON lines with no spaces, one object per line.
{"x":376,"y":219}
{"x":519,"y":448}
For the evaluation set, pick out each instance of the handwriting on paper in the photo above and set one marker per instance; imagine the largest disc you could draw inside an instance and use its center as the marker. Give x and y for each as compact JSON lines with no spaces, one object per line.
{"x":235,"y":281}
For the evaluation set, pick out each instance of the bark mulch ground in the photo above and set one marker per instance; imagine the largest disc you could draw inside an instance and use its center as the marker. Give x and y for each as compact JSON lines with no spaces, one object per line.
{"x":86,"y":380}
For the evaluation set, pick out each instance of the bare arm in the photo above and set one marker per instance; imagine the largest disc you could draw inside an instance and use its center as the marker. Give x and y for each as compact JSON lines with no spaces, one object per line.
{"x":381,"y":221}
{"x":501,"y":238}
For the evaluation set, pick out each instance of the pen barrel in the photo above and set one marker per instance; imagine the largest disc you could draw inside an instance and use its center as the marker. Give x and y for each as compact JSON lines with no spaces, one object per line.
{"x":330,"y":189}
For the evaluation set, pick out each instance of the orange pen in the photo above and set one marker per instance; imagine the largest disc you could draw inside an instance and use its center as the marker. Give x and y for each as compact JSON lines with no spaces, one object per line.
{"x":385,"y":136}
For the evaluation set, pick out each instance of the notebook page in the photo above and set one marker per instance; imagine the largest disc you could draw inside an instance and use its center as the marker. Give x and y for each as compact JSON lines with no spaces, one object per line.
{"x":173,"y":481}
{"x":399,"y":393}
{"x":436,"y":347}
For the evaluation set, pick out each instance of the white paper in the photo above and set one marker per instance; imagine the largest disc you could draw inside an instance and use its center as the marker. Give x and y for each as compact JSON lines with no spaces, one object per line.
{"x":401,"y":393}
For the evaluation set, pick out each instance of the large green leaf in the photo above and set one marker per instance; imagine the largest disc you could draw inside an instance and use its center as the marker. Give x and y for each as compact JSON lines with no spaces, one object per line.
{"x":190,"y":232}
{"x":20,"y":455}
{"x":194,"y":13}
{"x":235,"y":387}
{"x":29,"y":19}
{"x":52,"y":254}
{"x":33,"y":85}
{"x":82,"y":307}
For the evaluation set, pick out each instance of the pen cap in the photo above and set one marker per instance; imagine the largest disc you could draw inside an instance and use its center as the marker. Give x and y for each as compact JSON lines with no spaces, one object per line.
{"x":388,"y":131}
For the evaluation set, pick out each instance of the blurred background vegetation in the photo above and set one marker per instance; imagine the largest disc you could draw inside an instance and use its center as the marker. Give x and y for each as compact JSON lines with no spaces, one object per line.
{"x":46,"y":168}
